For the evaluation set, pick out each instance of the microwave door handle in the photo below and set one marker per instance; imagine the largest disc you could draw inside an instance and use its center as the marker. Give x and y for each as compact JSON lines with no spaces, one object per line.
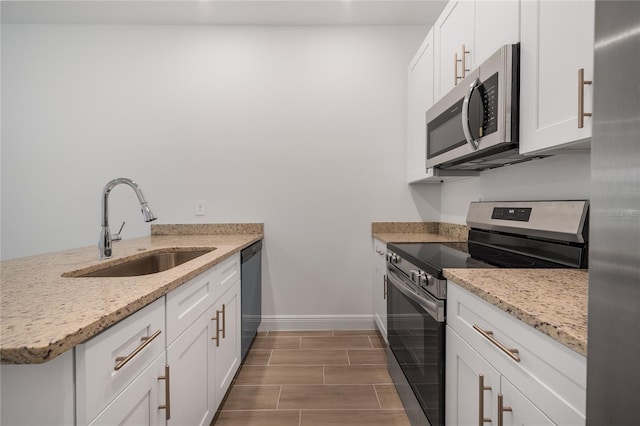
{"x":466,"y":128}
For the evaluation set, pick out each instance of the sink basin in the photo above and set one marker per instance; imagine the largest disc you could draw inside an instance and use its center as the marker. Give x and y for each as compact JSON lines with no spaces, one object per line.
{"x":150,"y":263}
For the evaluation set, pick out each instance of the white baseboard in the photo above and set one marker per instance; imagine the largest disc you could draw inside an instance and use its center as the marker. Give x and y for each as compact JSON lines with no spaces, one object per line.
{"x":317,"y":322}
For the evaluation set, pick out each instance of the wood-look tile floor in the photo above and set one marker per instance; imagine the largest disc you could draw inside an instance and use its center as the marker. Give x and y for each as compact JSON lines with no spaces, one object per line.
{"x":313,"y":378}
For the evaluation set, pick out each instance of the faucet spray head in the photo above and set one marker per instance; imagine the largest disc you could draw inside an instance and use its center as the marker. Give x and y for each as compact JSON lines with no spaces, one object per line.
{"x":147,"y":213}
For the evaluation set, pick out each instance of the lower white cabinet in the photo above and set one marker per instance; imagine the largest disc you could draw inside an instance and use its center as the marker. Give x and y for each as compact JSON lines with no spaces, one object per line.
{"x":228,"y":348}
{"x":542,"y":383}
{"x":191,"y":358}
{"x":205,"y":357}
{"x":380,"y":286}
{"x":142,"y":402}
{"x":477,"y":390}
{"x":109,"y":362}
{"x":170,"y":363}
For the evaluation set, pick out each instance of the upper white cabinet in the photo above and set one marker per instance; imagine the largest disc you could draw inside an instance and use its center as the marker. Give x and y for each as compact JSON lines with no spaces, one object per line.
{"x":467,"y":33}
{"x":557,"y":41}
{"x":420,"y":100}
{"x":454,"y":29}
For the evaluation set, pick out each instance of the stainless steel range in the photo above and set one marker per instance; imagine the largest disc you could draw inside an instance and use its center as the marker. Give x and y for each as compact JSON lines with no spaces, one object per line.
{"x":536,"y":234}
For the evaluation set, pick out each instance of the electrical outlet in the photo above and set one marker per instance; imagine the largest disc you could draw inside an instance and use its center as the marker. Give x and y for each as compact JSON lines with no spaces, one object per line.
{"x":199,"y":207}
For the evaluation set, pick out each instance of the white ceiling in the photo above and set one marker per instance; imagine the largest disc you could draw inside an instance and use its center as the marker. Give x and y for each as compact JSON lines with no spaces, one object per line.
{"x":223,"y":12}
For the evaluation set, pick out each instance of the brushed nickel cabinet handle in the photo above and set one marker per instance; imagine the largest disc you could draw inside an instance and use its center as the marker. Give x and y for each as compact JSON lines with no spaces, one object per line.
{"x":581,"y":83}
{"x":123,"y":360}
{"x":512,"y":353}
{"x":167,"y":393}
{"x":501,"y":409}
{"x":481,"y":388}
{"x":224,"y":321}
{"x":384,"y":287}
{"x":464,"y":62}
{"x":217,"y":320}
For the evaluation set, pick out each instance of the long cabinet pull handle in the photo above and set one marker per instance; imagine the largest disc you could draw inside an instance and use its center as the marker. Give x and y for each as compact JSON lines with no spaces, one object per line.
{"x":464,"y":62}
{"x":455,"y":69}
{"x":224,"y":320}
{"x":384,"y":287}
{"x":581,"y":83}
{"x":123,"y":360}
{"x":217,"y":320}
{"x":481,"y":388}
{"x":512,"y":353}
{"x":501,"y":409}
{"x":167,"y":393}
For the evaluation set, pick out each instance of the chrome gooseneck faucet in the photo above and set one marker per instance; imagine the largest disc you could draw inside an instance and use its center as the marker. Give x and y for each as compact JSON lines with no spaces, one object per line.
{"x":105,"y":234}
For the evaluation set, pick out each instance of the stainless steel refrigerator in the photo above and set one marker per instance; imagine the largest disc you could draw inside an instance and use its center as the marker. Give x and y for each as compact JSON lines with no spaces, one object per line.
{"x":613,"y":360}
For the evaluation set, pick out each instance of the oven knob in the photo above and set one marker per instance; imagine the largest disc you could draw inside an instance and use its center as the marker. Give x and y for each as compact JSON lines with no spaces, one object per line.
{"x":413,"y":274}
{"x":423,"y":279}
{"x":393,"y":258}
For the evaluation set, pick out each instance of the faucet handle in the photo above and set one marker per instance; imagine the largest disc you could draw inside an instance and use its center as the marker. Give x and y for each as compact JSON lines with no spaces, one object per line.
{"x":117,"y":236}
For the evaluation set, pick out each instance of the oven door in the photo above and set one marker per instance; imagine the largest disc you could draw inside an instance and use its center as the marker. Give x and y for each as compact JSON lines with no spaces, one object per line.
{"x":416,"y":332}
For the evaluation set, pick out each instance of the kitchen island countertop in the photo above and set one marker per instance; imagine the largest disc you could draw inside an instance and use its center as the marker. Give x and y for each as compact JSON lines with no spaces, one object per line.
{"x":43,"y":314}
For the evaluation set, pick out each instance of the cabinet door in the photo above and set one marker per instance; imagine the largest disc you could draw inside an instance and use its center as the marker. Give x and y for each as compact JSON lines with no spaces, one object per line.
{"x":522,"y":411}
{"x":557,"y":40}
{"x":192,"y":360}
{"x":497,"y":23}
{"x":465,"y":369}
{"x":380,"y":299}
{"x":420,"y":98}
{"x":454,"y":28}
{"x":228,"y":352}
{"x":140,"y":403}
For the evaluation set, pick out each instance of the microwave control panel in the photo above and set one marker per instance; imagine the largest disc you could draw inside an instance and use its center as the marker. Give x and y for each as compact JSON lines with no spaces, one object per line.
{"x":489,"y":92}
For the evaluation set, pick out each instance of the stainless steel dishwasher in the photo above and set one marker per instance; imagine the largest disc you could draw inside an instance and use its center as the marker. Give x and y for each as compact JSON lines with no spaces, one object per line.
{"x":251,"y":294}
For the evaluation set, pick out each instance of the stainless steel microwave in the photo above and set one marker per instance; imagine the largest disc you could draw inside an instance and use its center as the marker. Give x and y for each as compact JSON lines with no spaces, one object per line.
{"x":475,"y":126}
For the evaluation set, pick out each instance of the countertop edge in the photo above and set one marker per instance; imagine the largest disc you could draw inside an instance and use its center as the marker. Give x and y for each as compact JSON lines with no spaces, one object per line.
{"x":37,"y":354}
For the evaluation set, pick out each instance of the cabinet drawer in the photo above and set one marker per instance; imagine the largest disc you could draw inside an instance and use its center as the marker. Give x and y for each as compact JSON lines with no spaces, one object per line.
{"x":97,"y":380}
{"x":552,"y":376}
{"x":227,"y":273}
{"x":186,"y":303}
{"x":379,"y":250}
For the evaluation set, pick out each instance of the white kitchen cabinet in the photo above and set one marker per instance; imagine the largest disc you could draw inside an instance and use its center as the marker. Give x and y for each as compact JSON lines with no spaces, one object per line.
{"x":420,"y":99}
{"x":108,"y":363}
{"x":453,"y":29}
{"x":546,"y":386}
{"x":227,"y":359}
{"x":206,"y":354}
{"x":380,"y":286}
{"x":192,"y":360}
{"x":465,"y":369}
{"x":143,"y":402}
{"x":557,"y":41}
{"x":468,"y":32}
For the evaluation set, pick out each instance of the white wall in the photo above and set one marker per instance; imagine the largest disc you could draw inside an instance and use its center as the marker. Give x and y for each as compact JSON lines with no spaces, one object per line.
{"x":562,"y":177}
{"x":300,"y":128}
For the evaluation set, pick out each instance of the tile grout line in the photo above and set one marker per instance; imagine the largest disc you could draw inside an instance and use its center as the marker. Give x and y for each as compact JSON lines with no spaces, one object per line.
{"x":270,"y":355}
{"x":377,"y":396}
{"x":300,"y":418}
{"x":278,"y":400}
{"x":348,"y":357}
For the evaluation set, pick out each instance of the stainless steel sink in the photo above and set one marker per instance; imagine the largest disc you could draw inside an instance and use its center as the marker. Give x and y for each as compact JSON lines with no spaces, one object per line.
{"x":148,"y":264}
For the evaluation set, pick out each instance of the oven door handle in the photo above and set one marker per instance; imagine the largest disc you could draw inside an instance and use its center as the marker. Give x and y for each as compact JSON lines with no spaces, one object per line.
{"x":431,"y":305}
{"x":466,"y":127}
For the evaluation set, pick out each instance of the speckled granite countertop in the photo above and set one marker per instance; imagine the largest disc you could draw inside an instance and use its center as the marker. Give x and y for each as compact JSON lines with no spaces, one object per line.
{"x":43,"y":314}
{"x":418,"y":232}
{"x":553,"y":301}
